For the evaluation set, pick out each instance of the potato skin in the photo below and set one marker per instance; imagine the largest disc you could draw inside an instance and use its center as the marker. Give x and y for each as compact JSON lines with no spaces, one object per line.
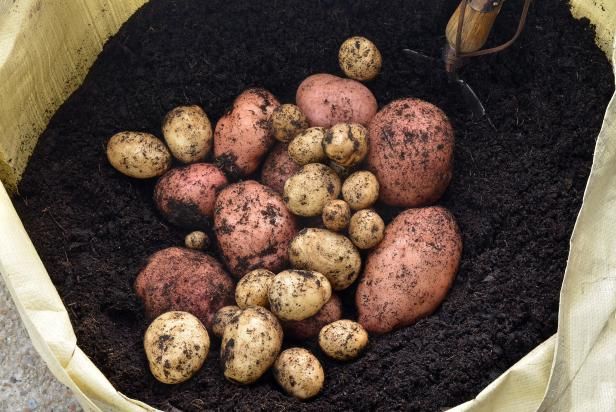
{"x":410,"y":151}
{"x":409,"y":273}
{"x":188,"y":133}
{"x":343,"y":340}
{"x":243,"y":135}
{"x":308,"y":190}
{"x":299,"y":373}
{"x":185,"y":196}
{"x":178,"y":279}
{"x":310,"y":327}
{"x":298,"y":294}
{"x":253,"y":228}
{"x":138,"y":155}
{"x":278,"y":167}
{"x":222,"y":318}
{"x":326,"y":100}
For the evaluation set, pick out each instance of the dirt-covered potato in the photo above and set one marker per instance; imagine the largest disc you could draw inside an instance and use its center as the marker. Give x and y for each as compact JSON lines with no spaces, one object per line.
{"x":326,"y":252}
{"x":299,"y":373}
{"x":197,"y":240}
{"x":307,"y":146}
{"x":176,"y":345}
{"x":244,"y":135}
{"x":360,"y":190}
{"x":346,"y":143}
{"x":359,"y":58}
{"x":185,"y":196}
{"x":222,"y":318}
{"x":343,"y":340}
{"x":287,"y":121}
{"x":411,"y":152}
{"x":298,"y":294}
{"x":278,"y":167}
{"x":185,"y":280}
{"x":310,"y":327}
{"x":336,"y":215}
{"x":138,"y":155}
{"x":408,"y":274}
{"x":252,"y":289}
{"x":366,"y":229}
{"x":250,"y":344}
{"x":188,"y":133}
{"x":307,"y":191}
{"x":253,"y":228}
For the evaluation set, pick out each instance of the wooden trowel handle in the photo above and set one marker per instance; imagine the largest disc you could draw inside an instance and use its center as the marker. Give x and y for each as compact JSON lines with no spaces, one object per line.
{"x":479,"y":16}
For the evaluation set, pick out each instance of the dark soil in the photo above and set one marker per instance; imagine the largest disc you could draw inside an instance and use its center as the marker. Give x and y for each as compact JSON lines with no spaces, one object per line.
{"x":516,"y":190}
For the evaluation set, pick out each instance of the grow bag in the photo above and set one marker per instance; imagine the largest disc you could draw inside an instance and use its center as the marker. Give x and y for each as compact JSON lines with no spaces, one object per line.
{"x":45,"y":50}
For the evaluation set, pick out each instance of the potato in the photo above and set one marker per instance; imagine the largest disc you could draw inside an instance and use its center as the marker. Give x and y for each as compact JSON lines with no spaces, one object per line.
{"x":343,"y":340}
{"x":243,"y":135}
{"x":250,"y":344}
{"x":408,"y":274}
{"x":366,"y":229}
{"x":359,"y":58}
{"x":411,"y":152}
{"x":278,"y":167}
{"x":252,"y":289}
{"x":176,"y":345}
{"x":346,"y":144}
{"x":188,"y":133}
{"x":298,"y":294}
{"x":299,"y":373}
{"x":307,"y":191}
{"x":307,"y":146}
{"x":310,"y":327}
{"x":326,"y":100}
{"x":139,"y":155}
{"x":185,"y":280}
{"x":336,"y":215}
{"x":222,"y":318}
{"x":197,"y":240}
{"x":287,"y":121}
{"x":253,"y":228}
{"x":361,"y":190}
{"x":185,"y":196}
{"x":326,"y":252}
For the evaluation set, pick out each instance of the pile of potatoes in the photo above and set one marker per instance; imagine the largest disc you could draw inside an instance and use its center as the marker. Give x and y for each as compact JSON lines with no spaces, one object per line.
{"x":277,"y":201}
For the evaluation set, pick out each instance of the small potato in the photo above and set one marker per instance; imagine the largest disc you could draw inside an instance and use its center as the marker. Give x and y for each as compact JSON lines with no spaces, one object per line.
{"x":310,"y":327}
{"x":287,"y":121}
{"x":307,"y":146}
{"x":299,"y":373}
{"x":222,"y":318}
{"x":307,"y":191}
{"x":336,"y":215}
{"x":278,"y":167}
{"x":188,"y":133}
{"x":343,"y":340}
{"x":138,"y":155}
{"x":252,"y":289}
{"x":298,"y":294}
{"x":361,"y":190}
{"x":197,"y":240}
{"x":366,"y":229}
{"x":346,"y":143}
{"x":250,"y":344}
{"x":176,"y":345}
{"x":359,"y":58}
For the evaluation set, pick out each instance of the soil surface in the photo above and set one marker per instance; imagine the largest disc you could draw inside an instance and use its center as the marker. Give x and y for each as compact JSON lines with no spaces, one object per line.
{"x":516,"y":189}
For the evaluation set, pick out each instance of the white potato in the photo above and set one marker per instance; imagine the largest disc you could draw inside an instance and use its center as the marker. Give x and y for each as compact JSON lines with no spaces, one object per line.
{"x":197,"y":240}
{"x":307,"y":191}
{"x":307,"y":146}
{"x":361,"y":190}
{"x":188,"y":133}
{"x":252,"y":288}
{"x":336,"y":215}
{"x":366,"y":229}
{"x":346,"y":143}
{"x":299,"y":373}
{"x":298,"y":294}
{"x":287,"y":121}
{"x":359,"y":58}
{"x":343,"y":339}
{"x":222,"y":318}
{"x":138,"y":155}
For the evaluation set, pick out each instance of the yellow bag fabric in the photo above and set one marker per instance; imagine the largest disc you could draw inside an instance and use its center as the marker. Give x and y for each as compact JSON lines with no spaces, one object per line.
{"x":46,"y":48}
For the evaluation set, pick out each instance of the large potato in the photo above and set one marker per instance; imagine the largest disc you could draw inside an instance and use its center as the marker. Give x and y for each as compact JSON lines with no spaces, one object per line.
{"x":326,"y":99}
{"x":411,"y":152}
{"x":278,"y":167}
{"x":253,"y":228}
{"x":409,"y":273}
{"x":184,"y":280}
{"x":188,"y":133}
{"x":185,"y":196}
{"x":139,"y":155}
{"x":250,"y":344}
{"x":308,"y":190}
{"x":310,"y":327}
{"x":244,"y":135}
{"x":298,"y":294}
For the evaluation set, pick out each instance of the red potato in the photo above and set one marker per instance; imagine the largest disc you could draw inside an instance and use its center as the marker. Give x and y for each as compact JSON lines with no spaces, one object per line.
{"x":326,"y":99}
{"x":411,"y":152}
{"x":185,"y":196}
{"x":243,"y":135}
{"x":178,"y":279}
{"x":253,"y":227}
{"x":278,"y":167}
{"x":409,"y":273}
{"x":310,"y":327}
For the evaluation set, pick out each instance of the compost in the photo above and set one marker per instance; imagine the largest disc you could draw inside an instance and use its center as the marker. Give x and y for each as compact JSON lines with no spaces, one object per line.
{"x":516,"y":191}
